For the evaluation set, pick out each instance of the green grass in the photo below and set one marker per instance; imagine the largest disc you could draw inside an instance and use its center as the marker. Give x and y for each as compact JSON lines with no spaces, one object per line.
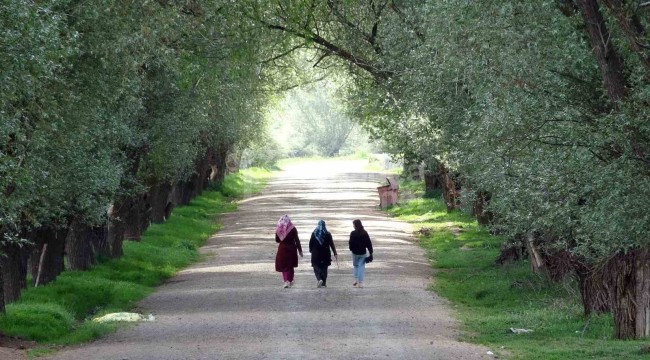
{"x":61,"y":312}
{"x":245,"y":182}
{"x":490,"y":299}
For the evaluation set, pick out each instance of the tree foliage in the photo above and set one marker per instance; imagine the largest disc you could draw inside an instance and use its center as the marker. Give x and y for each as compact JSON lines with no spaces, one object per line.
{"x":109,"y":109}
{"x":542,"y":105}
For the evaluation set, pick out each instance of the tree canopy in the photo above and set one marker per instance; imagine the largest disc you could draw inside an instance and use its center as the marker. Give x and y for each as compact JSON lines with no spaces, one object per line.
{"x":533,"y":114}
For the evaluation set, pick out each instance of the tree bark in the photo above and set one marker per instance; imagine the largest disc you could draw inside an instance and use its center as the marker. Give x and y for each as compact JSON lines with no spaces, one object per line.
{"x":628,"y":279}
{"x":97,"y":236}
{"x":160,"y":200}
{"x":432,"y":182}
{"x":450,"y":188}
{"x":116,"y":227}
{"x":77,"y":247}
{"x":594,"y":293}
{"x":185,"y":190}
{"x":220,"y":158}
{"x":137,"y":217}
{"x":536,"y":259}
{"x":14,"y":271}
{"x":610,"y":62}
{"x":2,"y":292}
{"x":482,"y":200}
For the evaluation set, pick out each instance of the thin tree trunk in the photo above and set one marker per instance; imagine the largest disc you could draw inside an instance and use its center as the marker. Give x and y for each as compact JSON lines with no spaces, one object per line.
{"x":53,"y":263}
{"x":40,"y":265}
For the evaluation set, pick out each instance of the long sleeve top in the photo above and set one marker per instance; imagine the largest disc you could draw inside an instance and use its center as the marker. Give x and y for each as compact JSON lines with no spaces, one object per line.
{"x":320,"y":254}
{"x":359,"y":242}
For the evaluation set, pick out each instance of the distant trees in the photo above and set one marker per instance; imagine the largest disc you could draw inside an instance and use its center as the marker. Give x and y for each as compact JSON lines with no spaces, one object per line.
{"x":320,"y":125}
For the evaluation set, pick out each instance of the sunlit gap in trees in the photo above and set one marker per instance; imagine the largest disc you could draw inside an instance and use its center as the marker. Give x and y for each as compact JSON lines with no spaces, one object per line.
{"x":312,"y":120}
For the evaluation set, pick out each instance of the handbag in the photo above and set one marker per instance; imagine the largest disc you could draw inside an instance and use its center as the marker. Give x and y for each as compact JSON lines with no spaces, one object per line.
{"x":369,"y":258}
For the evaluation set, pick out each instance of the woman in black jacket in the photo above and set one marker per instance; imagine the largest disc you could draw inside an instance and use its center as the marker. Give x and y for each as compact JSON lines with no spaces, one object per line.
{"x":319,"y":246}
{"x":359,"y":243}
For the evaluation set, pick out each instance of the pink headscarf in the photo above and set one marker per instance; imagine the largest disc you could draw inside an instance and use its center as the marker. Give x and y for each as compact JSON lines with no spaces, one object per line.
{"x":284,"y":227}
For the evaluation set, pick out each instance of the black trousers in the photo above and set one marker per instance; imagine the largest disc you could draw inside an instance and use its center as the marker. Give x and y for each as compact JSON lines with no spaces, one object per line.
{"x":321,"y":273}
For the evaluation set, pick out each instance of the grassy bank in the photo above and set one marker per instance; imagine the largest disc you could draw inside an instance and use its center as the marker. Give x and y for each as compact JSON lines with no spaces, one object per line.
{"x":61,"y":312}
{"x":491,"y":299}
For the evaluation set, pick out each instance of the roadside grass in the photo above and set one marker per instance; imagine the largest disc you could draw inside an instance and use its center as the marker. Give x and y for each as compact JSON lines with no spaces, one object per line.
{"x":61,"y":312}
{"x":490,"y":299}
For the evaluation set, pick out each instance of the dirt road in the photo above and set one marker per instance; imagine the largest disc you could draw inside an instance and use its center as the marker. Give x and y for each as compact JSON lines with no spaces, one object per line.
{"x":232,"y":306}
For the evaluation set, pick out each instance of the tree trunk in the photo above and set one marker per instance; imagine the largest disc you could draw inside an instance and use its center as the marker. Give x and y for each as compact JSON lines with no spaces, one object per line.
{"x":97,"y":236}
{"x":595,"y":297}
{"x":482,"y":200}
{"x":137,"y":218}
{"x":14,"y":270}
{"x":233,"y":161}
{"x":2,"y":292}
{"x":185,"y":190}
{"x":536,"y":259}
{"x":628,"y":279}
{"x":432,"y":182}
{"x":610,"y":63}
{"x":116,"y":228}
{"x":511,"y":251}
{"x":53,"y":263}
{"x":146,"y":211}
{"x":160,"y":200}
{"x":77,"y":247}
{"x":204,"y":169}
{"x":220,"y":158}
{"x":450,"y":188}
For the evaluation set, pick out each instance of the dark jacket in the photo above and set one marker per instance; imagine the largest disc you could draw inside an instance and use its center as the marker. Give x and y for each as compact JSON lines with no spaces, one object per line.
{"x":359,"y":242}
{"x":287,"y":256}
{"x":320,"y":254}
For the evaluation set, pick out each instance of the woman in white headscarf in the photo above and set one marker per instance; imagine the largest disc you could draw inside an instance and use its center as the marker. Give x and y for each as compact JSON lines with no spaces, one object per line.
{"x":321,"y":258}
{"x":286,"y":259}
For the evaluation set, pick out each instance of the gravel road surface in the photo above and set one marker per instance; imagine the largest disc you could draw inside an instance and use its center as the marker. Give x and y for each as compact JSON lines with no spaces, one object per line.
{"x":232,"y":305}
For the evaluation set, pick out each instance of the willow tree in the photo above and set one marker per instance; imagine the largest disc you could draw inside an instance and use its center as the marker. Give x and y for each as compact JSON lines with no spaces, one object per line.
{"x":108,"y":112}
{"x":527,"y":102}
